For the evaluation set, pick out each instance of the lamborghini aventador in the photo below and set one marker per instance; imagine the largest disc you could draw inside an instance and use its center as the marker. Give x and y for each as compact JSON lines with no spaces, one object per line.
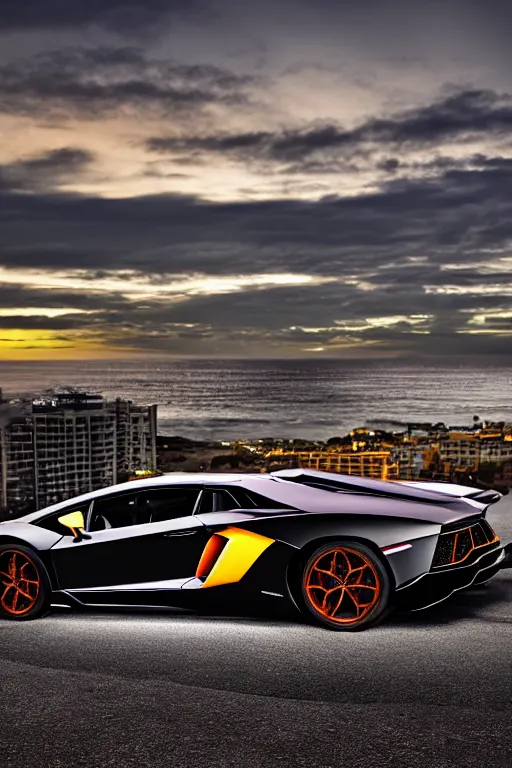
{"x":341,"y":550}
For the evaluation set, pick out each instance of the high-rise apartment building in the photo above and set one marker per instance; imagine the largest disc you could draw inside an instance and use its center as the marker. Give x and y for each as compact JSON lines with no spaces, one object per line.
{"x":74,"y":446}
{"x":16,"y":458}
{"x":135,"y":431}
{"x":57,"y":447}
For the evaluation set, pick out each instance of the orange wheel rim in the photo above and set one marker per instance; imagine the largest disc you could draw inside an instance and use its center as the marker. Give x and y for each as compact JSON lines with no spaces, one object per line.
{"x":20,"y":582}
{"x":342,"y":585}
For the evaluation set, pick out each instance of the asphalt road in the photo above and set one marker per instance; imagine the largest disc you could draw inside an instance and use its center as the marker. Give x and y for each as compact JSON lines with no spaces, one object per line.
{"x":426,"y":689}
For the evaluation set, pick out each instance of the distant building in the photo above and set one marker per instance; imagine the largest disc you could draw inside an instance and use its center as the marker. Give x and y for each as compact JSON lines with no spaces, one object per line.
{"x":74,"y":447}
{"x":63,"y":445}
{"x":502,"y":477}
{"x":17,"y":463}
{"x":377,"y":464}
{"x":411,"y":459}
{"x":460,"y":449}
{"x":136,"y":440}
{"x":494,"y":450}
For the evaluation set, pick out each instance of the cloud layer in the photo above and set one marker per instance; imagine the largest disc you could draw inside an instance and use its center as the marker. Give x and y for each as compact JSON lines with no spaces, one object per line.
{"x":464,"y":116}
{"x":423,"y":265}
{"x":186,"y":178}
{"x":123,"y":15}
{"x":96,"y":81}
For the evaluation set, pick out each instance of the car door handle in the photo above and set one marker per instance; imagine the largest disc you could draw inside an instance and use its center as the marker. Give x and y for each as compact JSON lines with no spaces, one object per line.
{"x":179,"y":533}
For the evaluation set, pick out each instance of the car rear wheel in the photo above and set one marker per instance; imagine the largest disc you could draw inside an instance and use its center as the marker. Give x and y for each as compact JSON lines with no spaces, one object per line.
{"x":25,"y":589}
{"x":345,"y":586}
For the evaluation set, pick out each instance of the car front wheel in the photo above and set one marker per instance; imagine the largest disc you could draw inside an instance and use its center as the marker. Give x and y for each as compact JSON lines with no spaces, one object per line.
{"x":25,"y":589}
{"x":345,"y":586}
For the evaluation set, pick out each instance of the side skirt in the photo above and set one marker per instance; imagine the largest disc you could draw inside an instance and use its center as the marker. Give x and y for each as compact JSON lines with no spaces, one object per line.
{"x":127,"y":599}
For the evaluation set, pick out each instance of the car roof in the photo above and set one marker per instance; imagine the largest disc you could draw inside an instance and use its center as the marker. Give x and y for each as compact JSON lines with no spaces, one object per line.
{"x":165,"y":480}
{"x":289,"y":494}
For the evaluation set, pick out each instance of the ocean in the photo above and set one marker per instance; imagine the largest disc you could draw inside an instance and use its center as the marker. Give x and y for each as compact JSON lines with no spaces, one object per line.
{"x":313,"y":399}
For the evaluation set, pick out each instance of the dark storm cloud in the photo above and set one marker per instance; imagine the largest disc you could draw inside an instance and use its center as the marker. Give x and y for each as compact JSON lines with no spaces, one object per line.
{"x":45,"y":171}
{"x":460,"y":116}
{"x":92,"y":81}
{"x":272,"y":315}
{"x":372,"y":16}
{"x":69,"y":322}
{"x":14,"y":296}
{"x":392,"y":252}
{"x":114,"y":15}
{"x":458,"y":213}
{"x":332,"y":310}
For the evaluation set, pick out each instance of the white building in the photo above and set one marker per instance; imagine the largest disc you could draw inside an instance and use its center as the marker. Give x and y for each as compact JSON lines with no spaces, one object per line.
{"x":60,"y":446}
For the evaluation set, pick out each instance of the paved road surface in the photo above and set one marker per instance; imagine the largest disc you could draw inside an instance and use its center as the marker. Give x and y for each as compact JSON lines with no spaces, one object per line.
{"x":426,"y":689}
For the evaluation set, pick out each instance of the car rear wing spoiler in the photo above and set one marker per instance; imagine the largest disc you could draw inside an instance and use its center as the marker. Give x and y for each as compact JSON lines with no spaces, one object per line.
{"x":486,"y":496}
{"x":430,"y":491}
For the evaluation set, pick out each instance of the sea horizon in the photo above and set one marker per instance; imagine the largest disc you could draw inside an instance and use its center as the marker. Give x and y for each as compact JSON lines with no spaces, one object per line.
{"x":221,"y":399}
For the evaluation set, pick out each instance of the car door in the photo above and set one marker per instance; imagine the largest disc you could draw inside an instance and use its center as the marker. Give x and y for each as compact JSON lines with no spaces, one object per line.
{"x":143,"y":539}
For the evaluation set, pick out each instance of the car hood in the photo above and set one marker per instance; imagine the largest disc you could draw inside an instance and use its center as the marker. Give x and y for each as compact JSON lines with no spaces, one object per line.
{"x":37,"y":537}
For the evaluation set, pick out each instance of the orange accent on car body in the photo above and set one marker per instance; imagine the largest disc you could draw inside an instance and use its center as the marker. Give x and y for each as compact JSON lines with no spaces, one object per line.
{"x":454,"y":560}
{"x":211,"y":552}
{"x":495,"y":540}
{"x":454,"y":550}
{"x":240,"y":552}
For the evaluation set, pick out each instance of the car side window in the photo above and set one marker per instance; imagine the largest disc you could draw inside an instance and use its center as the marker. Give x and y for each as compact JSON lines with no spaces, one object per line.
{"x":207,"y":503}
{"x":253,"y":499}
{"x":225,"y":501}
{"x":141,"y":507}
{"x":115,"y":511}
{"x":217,"y":501}
{"x":51,"y":523}
{"x":158,"y":505}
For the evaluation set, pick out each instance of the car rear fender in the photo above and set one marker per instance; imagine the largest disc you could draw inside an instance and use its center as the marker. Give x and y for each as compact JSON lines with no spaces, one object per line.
{"x":304,"y":532}
{"x":301,"y":556}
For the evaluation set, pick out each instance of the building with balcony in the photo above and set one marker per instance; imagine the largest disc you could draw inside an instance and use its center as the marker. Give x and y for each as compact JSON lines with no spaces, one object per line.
{"x":461,"y":450}
{"x":60,"y":446}
{"x":411,"y":459}
{"x":16,"y":458}
{"x":74,"y":447}
{"x":377,"y":464}
{"x":494,"y":449}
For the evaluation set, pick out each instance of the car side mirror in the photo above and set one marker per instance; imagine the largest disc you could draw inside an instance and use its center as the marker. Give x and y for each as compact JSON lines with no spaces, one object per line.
{"x":75,"y":521}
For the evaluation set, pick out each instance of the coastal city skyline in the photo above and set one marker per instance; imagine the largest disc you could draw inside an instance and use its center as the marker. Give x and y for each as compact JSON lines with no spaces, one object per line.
{"x":64,"y":443}
{"x":210,"y":178}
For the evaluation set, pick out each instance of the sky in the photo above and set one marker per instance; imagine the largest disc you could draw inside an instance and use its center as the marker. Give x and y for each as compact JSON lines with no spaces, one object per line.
{"x":284,"y":179}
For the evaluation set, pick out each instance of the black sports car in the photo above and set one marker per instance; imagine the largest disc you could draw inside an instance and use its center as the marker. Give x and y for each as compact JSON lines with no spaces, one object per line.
{"x":341,"y":549}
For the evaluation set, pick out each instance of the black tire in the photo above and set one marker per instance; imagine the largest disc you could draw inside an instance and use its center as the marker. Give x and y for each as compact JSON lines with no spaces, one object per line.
{"x":345,"y":587}
{"x":25,"y":589}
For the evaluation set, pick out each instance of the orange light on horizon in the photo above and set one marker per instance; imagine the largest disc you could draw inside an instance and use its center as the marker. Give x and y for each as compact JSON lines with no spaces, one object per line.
{"x":33,"y":345}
